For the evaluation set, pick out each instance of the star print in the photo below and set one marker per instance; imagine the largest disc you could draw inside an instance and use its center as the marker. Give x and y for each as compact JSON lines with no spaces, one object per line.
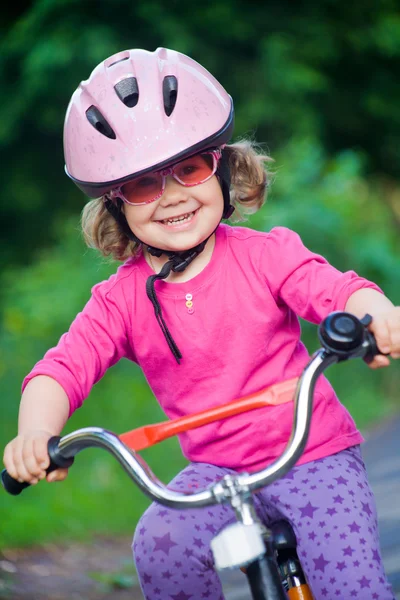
{"x":331,"y":511}
{"x":181,"y":596}
{"x":341,"y":480}
{"x":364,"y":582}
{"x":354,"y":528}
{"x":340,"y":566}
{"x":375,"y":556}
{"x":348,"y":551}
{"x":294,"y":490}
{"x":366,"y":508}
{"x":353,"y":465}
{"x":338,"y":499}
{"x":164,"y":543}
{"x":320,"y":563}
{"x":191,"y":472}
{"x":166,"y":575}
{"x":308,"y":510}
{"x":197,"y":542}
{"x":146,"y":578}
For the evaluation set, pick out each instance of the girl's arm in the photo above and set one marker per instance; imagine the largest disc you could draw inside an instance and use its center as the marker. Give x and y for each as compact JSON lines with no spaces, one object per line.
{"x":44,"y":405}
{"x":43,"y":412}
{"x":385,"y":322}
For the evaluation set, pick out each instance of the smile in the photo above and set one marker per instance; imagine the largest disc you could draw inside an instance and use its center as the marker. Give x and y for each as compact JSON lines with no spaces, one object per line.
{"x":179,"y":220}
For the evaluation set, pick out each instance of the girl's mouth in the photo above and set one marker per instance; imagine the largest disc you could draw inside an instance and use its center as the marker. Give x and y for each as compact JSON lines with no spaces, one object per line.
{"x":180,"y":220}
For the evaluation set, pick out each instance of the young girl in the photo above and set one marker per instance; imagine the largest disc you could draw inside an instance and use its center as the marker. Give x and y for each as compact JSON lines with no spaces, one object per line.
{"x":209,"y":312}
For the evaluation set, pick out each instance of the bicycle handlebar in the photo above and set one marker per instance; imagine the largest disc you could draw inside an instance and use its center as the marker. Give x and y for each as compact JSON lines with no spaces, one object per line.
{"x":342,"y":335}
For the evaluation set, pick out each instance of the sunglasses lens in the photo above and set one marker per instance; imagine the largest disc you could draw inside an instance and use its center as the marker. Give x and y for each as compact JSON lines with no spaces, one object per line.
{"x":144,"y":189}
{"x":194,"y":170}
{"x":190,"y":171}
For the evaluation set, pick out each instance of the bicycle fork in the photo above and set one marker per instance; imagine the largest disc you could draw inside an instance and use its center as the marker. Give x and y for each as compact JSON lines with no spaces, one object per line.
{"x":267,"y":557}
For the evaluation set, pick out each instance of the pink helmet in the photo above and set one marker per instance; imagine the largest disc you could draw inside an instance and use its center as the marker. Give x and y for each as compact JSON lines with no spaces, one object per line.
{"x":139,"y":111}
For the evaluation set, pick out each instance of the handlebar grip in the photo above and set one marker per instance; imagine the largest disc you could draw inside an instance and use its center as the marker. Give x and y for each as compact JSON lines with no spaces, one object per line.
{"x":57,"y":461}
{"x":373,"y":349}
{"x":12,"y":486}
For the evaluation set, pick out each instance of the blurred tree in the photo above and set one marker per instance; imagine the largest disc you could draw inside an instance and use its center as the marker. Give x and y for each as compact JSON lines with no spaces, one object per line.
{"x":327,"y":70}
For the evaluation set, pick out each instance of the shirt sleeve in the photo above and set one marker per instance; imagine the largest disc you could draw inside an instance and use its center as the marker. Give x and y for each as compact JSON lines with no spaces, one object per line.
{"x":96,"y":340}
{"x":305,"y":281}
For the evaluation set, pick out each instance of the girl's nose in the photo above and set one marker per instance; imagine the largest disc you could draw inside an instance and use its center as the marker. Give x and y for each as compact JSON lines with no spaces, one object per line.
{"x":174,"y":192}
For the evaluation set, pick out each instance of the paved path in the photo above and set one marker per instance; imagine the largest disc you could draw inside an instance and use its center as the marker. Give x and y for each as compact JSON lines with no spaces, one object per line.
{"x":382,"y":457}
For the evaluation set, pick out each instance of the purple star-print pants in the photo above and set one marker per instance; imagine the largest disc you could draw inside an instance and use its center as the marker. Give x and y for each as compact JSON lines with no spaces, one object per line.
{"x":328,"y":502}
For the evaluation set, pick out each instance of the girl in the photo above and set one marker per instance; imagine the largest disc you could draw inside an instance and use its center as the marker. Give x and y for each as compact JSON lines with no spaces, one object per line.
{"x":209,"y":312}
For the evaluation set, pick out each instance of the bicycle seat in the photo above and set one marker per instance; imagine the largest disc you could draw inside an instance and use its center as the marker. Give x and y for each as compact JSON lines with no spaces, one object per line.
{"x":283,"y":536}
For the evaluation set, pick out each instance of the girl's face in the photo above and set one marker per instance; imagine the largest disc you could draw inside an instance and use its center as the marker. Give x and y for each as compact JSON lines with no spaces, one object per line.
{"x":182,"y":218}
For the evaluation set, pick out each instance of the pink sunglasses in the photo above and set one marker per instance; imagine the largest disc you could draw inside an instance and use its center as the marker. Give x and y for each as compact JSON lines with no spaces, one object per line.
{"x":188,"y":172}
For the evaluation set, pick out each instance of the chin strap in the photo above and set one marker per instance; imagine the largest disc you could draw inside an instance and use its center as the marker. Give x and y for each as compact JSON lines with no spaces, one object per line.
{"x":177,"y":263}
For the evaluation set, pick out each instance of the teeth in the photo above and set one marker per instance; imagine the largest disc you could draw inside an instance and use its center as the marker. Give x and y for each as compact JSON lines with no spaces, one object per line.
{"x":180,"y":219}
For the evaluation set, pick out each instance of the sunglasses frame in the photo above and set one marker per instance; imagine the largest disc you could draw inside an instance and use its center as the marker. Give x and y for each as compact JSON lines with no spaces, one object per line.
{"x":117,"y":192}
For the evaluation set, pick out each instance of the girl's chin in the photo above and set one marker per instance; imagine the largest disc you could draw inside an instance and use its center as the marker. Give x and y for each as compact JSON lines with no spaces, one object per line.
{"x":182,"y":245}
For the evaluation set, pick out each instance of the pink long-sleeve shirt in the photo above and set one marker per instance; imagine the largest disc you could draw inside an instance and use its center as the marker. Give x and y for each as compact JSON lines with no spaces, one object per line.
{"x":241,"y":335}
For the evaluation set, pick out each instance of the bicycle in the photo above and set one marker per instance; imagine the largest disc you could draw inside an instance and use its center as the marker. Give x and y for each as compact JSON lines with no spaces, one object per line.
{"x":268,"y":557}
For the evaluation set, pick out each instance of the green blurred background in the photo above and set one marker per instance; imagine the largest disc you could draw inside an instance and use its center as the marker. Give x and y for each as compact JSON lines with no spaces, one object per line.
{"x":316,"y":82}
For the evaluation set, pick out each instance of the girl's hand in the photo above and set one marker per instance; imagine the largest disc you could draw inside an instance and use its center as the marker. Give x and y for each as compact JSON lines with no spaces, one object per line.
{"x":386,"y":329}
{"x":26,"y":458}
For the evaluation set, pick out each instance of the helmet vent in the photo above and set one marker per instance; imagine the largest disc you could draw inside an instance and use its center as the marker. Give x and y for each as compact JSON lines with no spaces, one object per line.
{"x":170,"y":92}
{"x":128,"y":91}
{"x":96,"y":119}
{"x":118,"y":61}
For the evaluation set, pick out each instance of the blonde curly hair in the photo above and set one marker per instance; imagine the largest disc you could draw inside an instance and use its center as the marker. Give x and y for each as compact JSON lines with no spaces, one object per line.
{"x":250,"y":180}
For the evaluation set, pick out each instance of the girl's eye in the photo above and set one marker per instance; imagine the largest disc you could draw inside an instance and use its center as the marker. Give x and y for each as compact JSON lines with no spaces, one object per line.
{"x":189,"y":169}
{"x":145,"y":182}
